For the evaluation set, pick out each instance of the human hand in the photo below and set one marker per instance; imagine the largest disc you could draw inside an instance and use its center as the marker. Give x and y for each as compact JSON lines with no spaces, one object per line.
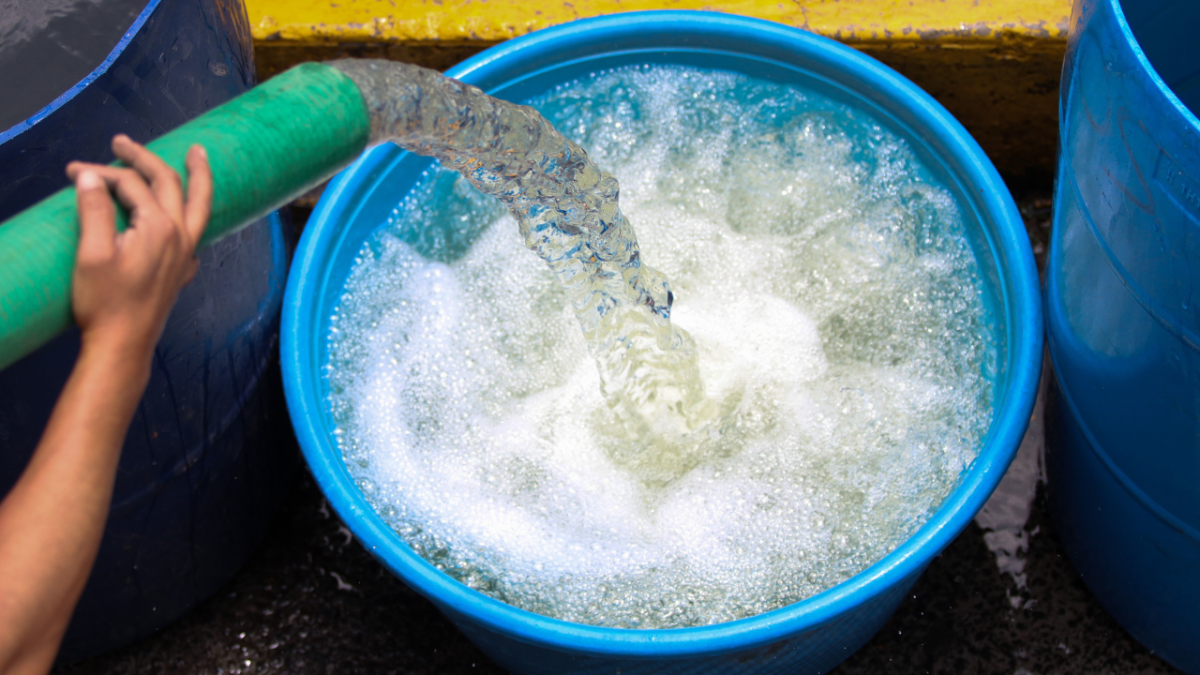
{"x":124,"y":284}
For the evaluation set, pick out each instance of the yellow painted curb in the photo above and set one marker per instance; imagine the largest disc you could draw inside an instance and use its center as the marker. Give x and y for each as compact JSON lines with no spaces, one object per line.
{"x":495,"y":20}
{"x":994,"y":64}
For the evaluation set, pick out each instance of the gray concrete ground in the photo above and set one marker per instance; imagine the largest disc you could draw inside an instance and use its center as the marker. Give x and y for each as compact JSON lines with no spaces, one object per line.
{"x":311,"y":600}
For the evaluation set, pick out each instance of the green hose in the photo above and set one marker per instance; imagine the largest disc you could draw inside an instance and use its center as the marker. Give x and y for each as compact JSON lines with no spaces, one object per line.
{"x":266,"y":147}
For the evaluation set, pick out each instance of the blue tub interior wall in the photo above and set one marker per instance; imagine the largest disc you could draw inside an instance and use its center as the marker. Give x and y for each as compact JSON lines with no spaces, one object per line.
{"x":1123,"y":279}
{"x":208,"y":455}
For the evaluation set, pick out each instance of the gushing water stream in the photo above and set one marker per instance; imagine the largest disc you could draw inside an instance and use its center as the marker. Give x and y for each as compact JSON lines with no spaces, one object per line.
{"x":568,"y":213}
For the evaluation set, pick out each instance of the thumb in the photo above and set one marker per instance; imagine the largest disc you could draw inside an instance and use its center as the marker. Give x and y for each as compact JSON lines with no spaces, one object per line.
{"x":97,"y":217}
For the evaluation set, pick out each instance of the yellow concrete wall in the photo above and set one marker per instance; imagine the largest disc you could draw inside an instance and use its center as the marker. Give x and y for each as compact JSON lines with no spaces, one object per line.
{"x":495,"y":20}
{"x":994,"y":64}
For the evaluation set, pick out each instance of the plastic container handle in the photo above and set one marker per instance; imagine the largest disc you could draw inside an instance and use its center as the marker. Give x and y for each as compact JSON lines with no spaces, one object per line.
{"x":265,"y":147}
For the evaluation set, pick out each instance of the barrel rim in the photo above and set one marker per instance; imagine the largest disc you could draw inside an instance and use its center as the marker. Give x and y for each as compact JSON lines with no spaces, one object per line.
{"x":49,"y":109}
{"x":1139,"y":55}
{"x":1020,"y":296}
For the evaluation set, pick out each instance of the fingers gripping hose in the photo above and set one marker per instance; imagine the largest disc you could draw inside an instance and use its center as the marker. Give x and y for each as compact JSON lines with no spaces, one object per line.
{"x":266,"y":147}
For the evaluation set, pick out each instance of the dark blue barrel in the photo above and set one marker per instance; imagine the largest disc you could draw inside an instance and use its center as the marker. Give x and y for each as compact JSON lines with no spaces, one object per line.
{"x":1121,"y":300}
{"x":208,"y":454}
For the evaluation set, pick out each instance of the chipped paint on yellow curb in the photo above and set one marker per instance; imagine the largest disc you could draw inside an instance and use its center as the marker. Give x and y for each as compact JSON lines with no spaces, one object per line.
{"x":457,"y":21}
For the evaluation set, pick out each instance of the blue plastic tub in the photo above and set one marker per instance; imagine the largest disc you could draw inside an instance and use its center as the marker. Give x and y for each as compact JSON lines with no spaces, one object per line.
{"x":808,"y":637}
{"x":203,"y":466}
{"x":1121,"y":297}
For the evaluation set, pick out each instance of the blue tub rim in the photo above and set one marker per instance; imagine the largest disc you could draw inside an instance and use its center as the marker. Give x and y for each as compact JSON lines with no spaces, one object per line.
{"x":1019,"y":294}
{"x":49,"y":109}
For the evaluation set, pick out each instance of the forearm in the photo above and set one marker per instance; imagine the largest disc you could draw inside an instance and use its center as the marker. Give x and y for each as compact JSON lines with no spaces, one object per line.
{"x":52,"y":520}
{"x":122,"y":290}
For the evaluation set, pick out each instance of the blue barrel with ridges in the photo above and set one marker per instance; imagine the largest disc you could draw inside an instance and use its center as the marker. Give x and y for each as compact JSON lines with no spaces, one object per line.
{"x":811,"y":636}
{"x":208,"y":455}
{"x":1124,"y":332}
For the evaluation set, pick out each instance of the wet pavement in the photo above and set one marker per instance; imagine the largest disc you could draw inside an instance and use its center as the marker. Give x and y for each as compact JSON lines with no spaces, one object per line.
{"x":311,"y":600}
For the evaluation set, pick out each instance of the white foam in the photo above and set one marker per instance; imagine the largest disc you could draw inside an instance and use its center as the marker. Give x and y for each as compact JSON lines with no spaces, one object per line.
{"x":837,"y":310}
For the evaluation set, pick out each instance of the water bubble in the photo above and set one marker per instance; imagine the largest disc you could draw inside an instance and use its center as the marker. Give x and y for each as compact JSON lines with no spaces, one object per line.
{"x":839,"y":330}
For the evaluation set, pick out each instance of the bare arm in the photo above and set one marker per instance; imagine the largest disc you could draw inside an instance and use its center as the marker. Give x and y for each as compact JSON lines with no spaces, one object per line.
{"x":123,"y":287}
